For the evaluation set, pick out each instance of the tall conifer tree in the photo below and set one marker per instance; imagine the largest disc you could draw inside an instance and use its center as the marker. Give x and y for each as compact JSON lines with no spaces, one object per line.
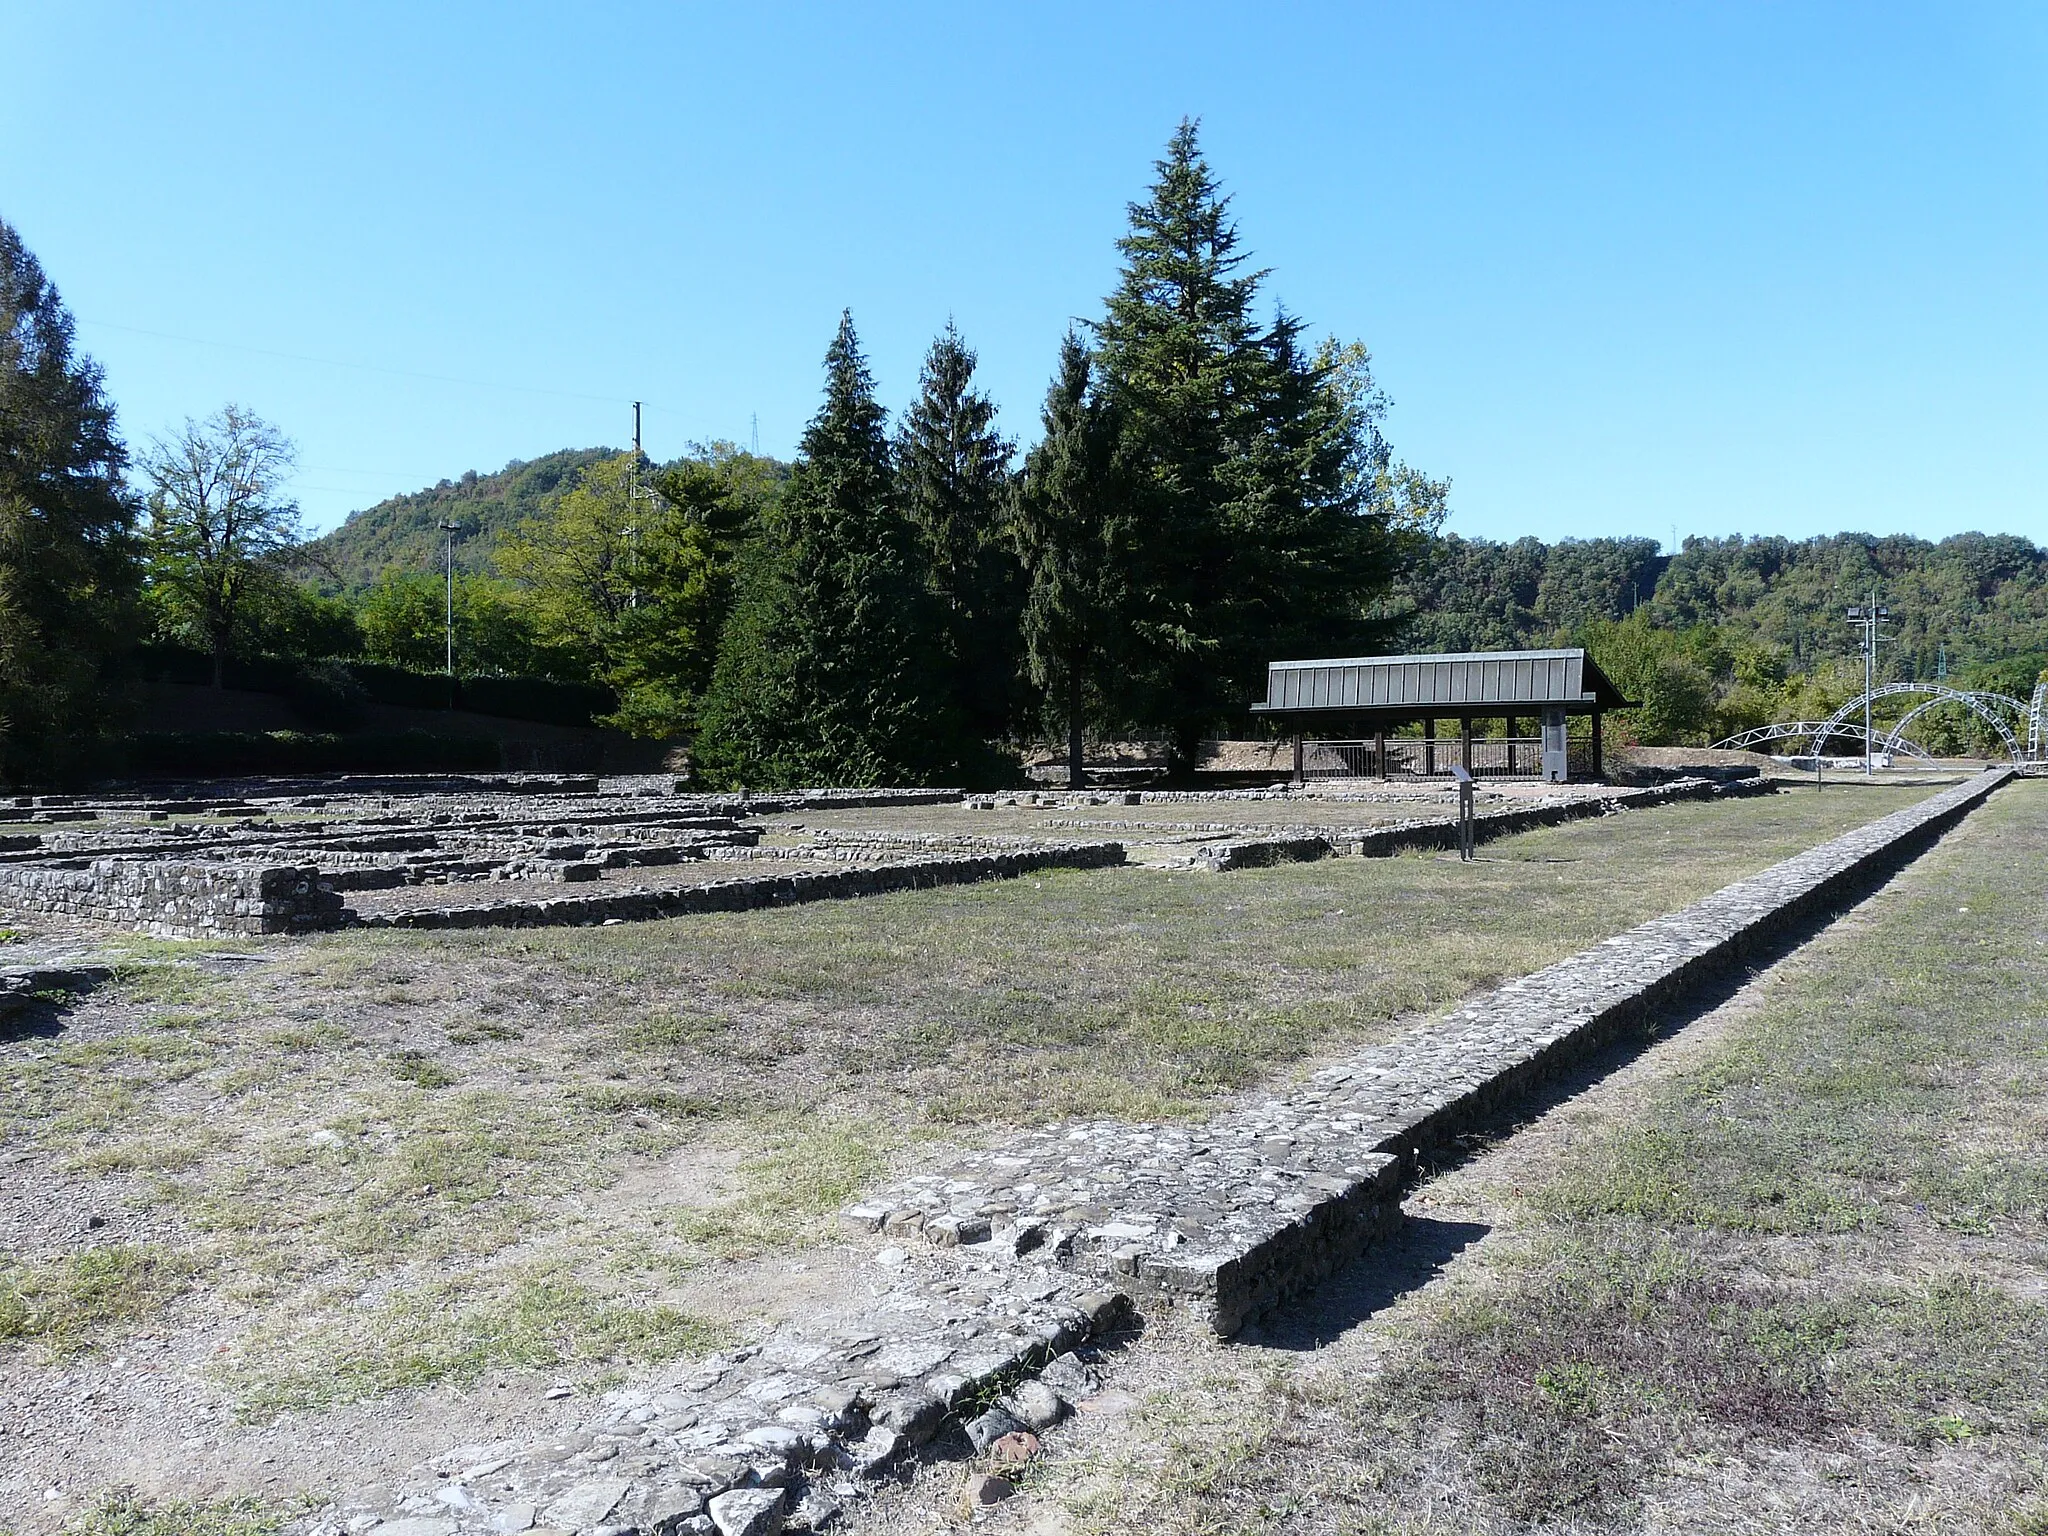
{"x":826,"y":671}
{"x":1071,"y":535}
{"x":68,"y":572}
{"x":952,"y":482}
{"x":1252,"y":461}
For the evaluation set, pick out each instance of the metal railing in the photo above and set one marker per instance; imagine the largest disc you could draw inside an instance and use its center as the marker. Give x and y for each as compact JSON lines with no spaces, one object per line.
{"x":1493,"y":757}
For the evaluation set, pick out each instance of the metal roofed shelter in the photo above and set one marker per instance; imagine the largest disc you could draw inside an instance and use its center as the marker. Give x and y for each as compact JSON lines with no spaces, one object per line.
{"x":1367,"y":695}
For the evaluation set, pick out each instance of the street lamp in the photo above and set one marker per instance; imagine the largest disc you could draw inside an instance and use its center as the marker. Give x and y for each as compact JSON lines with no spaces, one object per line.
{"x":451,"y":529}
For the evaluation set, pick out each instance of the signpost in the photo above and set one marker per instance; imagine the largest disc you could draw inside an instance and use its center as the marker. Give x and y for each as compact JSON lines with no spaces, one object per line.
{"x":1464,"y":777}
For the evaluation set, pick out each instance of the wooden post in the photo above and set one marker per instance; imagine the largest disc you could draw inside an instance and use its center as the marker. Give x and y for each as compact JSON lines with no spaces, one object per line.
{"x":1379,"y":749}
{"x":1599,"y":767}
{"x":1300,"y":761}
{"x":1465,"y":741}
{"x":1429,"y":747}
{"x":1507,"y":728}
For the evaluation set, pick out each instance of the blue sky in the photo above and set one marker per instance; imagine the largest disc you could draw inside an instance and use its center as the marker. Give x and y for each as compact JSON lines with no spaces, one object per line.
{"x":1692,"y":268}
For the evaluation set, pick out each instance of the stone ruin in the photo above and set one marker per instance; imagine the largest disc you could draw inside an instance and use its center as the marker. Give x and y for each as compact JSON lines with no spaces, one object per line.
{"x":258,"y":857}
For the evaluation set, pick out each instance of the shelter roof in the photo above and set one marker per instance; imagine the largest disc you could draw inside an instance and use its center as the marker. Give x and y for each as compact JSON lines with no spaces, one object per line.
{"x":1412,"y":685}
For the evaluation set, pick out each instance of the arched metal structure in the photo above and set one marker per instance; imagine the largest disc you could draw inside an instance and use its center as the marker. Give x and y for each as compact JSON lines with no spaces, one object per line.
{"x":1789,"y":729}
{"x":2039,"y":702}
{"x":1980,"y":704}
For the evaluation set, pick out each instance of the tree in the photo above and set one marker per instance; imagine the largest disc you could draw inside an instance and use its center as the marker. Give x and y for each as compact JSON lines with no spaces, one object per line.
{"x":404,"y":623}
{"x":219,"y":524}
{"x":1269,"y":504}
{"x":1071,"y":539}
{"x":67,"y":560}
{"x":827,"y":670}
{"x":632,"y":572}
{"x":952,"y":482}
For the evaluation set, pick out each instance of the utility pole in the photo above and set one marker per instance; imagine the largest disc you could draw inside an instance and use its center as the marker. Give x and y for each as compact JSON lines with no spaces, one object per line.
{"x":451,"y":529}
{"x":635,"y":494}
{"x":1868,"y":617}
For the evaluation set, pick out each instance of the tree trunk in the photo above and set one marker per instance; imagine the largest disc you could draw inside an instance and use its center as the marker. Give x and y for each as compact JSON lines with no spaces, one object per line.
{"x":220,"y":660}
{"x":1077,"y":773}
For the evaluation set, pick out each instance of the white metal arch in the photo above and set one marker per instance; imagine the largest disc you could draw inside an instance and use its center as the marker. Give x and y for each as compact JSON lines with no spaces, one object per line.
{"x":1895,"y":733}
{"x":1979,"y":704}
{"x":1784,"y":730}
{"x":2035,"y":707}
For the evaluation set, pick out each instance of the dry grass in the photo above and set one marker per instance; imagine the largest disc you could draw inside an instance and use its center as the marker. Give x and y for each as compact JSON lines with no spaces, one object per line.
{"x":377,"y":1122}
{"x":1795,"y":1286}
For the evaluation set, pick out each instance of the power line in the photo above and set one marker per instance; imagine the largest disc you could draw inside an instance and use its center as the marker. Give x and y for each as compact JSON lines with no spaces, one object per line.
{"x":331,"y":362}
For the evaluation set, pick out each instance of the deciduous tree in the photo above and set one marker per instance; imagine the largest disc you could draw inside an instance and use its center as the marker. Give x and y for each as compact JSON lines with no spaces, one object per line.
{"x":219,"y":521}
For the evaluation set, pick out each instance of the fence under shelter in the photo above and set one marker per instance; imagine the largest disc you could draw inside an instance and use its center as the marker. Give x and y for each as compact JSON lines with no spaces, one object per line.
{"x":1356,"y":705}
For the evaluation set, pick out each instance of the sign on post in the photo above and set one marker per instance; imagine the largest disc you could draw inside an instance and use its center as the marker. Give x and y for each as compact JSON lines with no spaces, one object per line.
{"x":1464,"y":777}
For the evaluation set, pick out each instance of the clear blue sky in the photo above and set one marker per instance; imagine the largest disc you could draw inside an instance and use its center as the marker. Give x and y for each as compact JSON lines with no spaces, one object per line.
{"x":1708,"y":267}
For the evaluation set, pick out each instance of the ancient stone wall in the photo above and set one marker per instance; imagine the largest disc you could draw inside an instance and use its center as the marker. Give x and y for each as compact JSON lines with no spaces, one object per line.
{"x":744,"y":894}
{"x":1248,"y":1209}
{"x":191,"y":900}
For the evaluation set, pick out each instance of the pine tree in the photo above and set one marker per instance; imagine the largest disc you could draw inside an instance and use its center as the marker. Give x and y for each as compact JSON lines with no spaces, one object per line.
{"x":68,"y":575}
{"x":952,"y":482}
{"x":827,"y":670}
{"x":1071,"y":539}
{"x":1253,"y":464}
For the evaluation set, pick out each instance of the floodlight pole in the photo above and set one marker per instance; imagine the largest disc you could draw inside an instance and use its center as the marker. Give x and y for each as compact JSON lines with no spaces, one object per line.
{"x":1867,"y":617}
{"x":451,"y":529}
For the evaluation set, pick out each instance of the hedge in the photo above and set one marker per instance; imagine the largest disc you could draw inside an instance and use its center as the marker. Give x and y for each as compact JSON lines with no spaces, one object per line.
{"x":327,"y":691}
{"x":210,"y":754}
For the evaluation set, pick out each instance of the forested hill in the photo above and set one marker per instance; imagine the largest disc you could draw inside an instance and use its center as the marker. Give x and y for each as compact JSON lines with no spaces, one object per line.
{"x":1980,"y":598}
{"x":402,"y":535}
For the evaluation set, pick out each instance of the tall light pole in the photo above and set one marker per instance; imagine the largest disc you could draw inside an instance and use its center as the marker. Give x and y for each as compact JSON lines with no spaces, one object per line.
{"x":451,"y":529}
{"x":1867,"y":618}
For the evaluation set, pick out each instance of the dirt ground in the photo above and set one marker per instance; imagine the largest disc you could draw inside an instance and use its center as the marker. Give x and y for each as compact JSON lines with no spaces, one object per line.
{"x":294,"y":1214}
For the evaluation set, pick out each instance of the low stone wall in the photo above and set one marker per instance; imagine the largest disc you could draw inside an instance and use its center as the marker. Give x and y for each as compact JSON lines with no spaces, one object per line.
{"x":744,"y":894}
{"x":1269,"y":1198}
{"x":1439,"y":833}
{"x":194,"y":900}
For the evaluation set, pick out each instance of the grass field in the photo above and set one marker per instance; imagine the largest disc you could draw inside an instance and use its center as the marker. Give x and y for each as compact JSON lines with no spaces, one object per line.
{"x":1789,"y":1277}
{"x":379,"y":1161}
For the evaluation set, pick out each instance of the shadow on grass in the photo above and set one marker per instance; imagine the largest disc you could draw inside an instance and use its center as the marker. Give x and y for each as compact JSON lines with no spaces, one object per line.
{"x":1415,"y":1254}
{"x":1422,"y":1248}
{"x":36,"y":1018}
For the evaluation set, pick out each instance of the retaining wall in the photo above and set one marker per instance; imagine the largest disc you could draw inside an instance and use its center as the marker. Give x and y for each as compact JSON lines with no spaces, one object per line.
{"x":177,"y":900}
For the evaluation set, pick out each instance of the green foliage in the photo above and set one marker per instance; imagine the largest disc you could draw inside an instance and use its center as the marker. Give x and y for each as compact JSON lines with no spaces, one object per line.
{"x":68,"y":576}
{"x":1267,"y":499}
{"x":1073,"y":540}
{"x":220,"y":530}
{"x":404,"y":621}
{"x":829,"y":671}
{"x":401,"y":536}
{"x":952,"y":482}
{"x":1733,"y":633}
{"x":633,"y":575}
